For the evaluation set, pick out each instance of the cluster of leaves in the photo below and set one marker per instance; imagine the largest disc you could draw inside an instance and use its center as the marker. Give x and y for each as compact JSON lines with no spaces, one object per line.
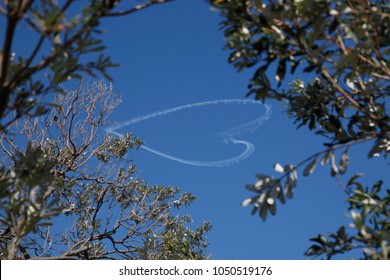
{"x":66,"y":45}
{"x":367,"y":207}
{"x":343,"y":48}
{"x":176,"y":242}
{"x":269,"y":188}
{"x":25,"y":191}
{"x":69,"y":175}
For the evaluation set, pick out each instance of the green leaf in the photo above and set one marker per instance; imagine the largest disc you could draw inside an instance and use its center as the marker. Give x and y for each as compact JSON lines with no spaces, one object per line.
{"x":334,"y":169}
{"x":271,"y":205}
{"x":344,"y":162}
{"x":281,"y":71}
{"x":254,"y":209}
{"x":353,"y":179}
{"x":248,"y":201}
{"x":310,"y":167}
{"x":280,"y":196}
{"x":326,"y":156}
{"x":262,"y":183}
{"x":375,"y":151}
{"x":288,"y":188}
{"x":278,"y":168}
{"x":264,"y":212}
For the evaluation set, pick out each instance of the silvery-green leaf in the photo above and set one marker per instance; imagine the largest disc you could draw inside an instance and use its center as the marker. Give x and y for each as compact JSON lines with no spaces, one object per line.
{"x":289,"y":167}
{"x":272,"y":207}
{"x":250,"y":187}
{"x":278,"y":168}
{"x":288,"y":188}
{"x":334,"y":169}
{"x":344,"y":162}
{"x":375,"y":151}
{"x":248,"y":201}
{"x":264,"y":212}
{"x":353,"y":178}
{"x":326,"y":156}
{"x":274,"y":191}
{"x":261,"y":198}
{"x":280,"y":196}
{"x":310,"y":167}
{"x":350,"y":84}
{"x":263,"y":183}
{"x":254,"y":210}
{"x":292,"y":179}
{"x":270,"y":201}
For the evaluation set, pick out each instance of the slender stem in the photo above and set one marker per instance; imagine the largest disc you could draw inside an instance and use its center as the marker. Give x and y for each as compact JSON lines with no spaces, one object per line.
{"x":341,"y":183}
{"x":137,"y":8}
{"x":316,"y":155}
{"x":326,"y":74}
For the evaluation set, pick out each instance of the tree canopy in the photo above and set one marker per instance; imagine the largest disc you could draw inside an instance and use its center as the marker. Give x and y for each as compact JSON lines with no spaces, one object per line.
{"x":340,"y":50}
{"x":70,"y":175}
{"x":65,"y":44}
{"x":55,"y":168}
{"x":54,"y":165}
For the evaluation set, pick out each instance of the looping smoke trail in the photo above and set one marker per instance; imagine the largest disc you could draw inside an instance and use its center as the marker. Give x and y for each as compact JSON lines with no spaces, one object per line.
{"x":227,"y":136}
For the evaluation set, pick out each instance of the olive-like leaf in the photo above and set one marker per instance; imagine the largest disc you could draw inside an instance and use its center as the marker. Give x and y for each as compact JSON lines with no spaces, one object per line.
{"x":353,"y":179}
{"x":310,"y":167}
{"x":262,"y":183}
{"x":344,"y":162}
{"x":280,"y":196}
{"x":325,"y":158}
{"x":281,"y":70}
{"x":334,"y":168}
{"x":288,"y":188}
{"x":261,"y":198}
{"x":254,"y":210}
{"x":375,"y":151}
{"x":271,"y":205}
{"x":248,"y":201}
{"x":264,"y":212}
{"x":278,"y":168}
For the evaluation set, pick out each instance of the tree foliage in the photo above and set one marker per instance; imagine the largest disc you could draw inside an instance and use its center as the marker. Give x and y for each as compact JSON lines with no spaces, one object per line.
{"x":369,"y":211}
{"x":68,"y":192}
{"x":342,"y":49}
{"x":64,"y":45}
{"x":74,"y":194}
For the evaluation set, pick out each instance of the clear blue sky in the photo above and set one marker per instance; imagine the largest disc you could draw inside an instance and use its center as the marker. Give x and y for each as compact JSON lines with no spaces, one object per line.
{"x":172,"y":55}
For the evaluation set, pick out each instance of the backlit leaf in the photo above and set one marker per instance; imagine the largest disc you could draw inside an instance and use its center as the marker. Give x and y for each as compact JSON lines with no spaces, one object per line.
{"x":272,"y":206}
{"x":264,"y":212}
{"x":278,"y":168}
{"x":334,"y":169}
{"x":325,"y":158}
{"x":344,"y":162}
{"x":310,"y":167}
{"x":247,"y":201}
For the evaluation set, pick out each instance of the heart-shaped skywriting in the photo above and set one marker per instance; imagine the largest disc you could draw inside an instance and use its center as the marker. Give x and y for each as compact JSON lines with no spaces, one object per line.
{"x":229,"y":136}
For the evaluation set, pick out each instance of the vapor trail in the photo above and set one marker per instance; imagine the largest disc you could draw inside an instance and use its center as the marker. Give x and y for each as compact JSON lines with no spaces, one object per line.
{"x":227,"y":136}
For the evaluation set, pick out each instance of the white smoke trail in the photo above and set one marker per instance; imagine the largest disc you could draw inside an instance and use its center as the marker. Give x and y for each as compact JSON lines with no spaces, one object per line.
{"x":227,"y":136}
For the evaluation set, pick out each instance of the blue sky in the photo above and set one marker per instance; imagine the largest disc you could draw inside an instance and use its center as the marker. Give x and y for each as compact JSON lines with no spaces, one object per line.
{"x":172,"y":55}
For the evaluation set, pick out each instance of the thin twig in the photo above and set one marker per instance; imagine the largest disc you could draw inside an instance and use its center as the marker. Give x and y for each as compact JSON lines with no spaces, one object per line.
{"x":136,"y":8}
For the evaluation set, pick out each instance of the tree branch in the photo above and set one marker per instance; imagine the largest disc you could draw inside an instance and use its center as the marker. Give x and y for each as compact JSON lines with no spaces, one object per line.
{"x":137,"y":8}
{"x":316,"y":155}
{"x":336,"y":85}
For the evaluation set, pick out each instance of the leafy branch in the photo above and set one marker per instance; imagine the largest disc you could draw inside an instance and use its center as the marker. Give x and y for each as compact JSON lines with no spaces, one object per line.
{"x":269,"y":188}
{"x":64,"y":40}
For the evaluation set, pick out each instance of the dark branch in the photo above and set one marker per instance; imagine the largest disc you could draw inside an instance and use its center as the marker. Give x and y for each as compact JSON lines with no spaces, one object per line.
{"x":137,"y":8}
